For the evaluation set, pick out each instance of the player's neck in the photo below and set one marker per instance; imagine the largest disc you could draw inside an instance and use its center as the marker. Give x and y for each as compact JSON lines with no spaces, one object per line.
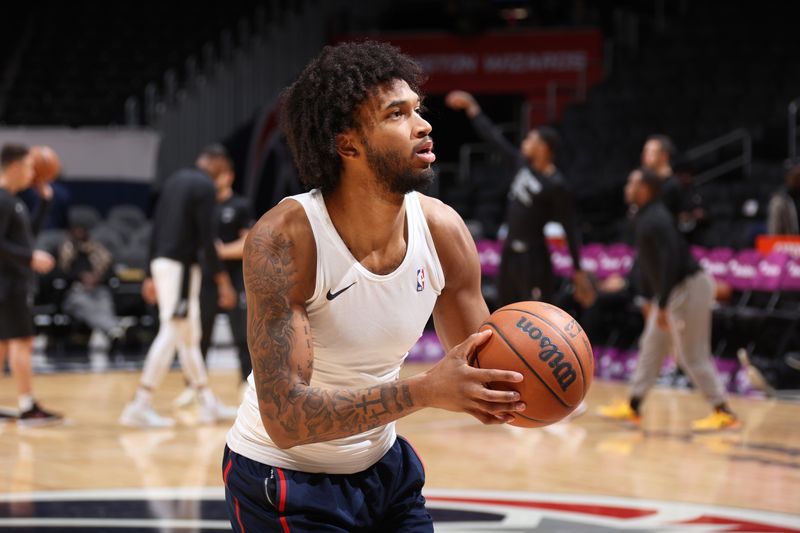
{"x":366,"y":221}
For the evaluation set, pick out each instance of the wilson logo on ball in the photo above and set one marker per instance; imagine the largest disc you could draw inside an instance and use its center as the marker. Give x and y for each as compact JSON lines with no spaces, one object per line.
{"x":562,"y":370}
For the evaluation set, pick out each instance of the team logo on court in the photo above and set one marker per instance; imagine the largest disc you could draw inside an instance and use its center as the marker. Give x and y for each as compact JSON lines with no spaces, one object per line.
{"x":457,"y":511}
{"x":420,"y":279}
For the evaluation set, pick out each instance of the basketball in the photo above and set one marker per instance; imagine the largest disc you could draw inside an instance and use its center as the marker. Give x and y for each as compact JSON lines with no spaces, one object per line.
{"x":46,"y":164}
{"x":549,"y":348}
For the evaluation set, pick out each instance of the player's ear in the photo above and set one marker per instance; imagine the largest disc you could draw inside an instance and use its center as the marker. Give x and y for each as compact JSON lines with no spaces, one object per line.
{"x":346,"y":145}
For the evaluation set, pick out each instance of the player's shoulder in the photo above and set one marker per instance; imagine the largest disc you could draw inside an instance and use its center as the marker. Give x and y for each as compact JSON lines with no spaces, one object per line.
{"x":282,"y":242}
{"x":448,"y":230}
{"x":441,"y":218}
{"x":286,"y":224}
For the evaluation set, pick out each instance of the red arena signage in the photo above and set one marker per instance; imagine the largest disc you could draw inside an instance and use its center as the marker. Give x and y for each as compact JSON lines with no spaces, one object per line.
{"x":519,"y":62}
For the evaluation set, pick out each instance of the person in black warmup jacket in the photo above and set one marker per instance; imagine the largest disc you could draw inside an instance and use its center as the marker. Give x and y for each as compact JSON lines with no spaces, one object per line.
{"x":18,"y":263}
{"x":538,"y":195}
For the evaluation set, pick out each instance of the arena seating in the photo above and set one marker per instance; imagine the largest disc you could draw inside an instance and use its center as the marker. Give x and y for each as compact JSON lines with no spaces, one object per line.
{"x":692,"y":81}
{"x":87,"y":82}
{"x":125,"y":232}
{"x":757,"y":305}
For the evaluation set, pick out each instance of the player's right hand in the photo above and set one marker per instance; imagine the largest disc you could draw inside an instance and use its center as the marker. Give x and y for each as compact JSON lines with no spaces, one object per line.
{"x":462,"y":101}
{"x":42,"y":262}
{"x":149,"y":291}
{"x":456,"y":386}
{"x":227,"y":296}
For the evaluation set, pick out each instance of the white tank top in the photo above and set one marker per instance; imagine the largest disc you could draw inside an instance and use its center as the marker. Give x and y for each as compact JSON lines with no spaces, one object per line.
{"x":363,"y":325}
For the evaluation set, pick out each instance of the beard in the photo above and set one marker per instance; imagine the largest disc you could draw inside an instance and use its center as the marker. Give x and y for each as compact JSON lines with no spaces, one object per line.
{"x":397,"y":173}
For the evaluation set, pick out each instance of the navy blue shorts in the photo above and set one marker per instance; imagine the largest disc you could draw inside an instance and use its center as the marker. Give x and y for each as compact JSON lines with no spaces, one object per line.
{"x":384,"y":498}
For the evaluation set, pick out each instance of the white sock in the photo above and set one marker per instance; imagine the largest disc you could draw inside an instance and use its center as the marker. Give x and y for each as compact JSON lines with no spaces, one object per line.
{"x":143,"y":397}
{"x":25,"y":402}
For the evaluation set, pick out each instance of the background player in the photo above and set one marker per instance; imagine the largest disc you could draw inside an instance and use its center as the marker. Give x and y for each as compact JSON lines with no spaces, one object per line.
{"x":182,"y":229}
{"x":678,"y":312}
{"x":233,"y":219}
{"x":340,"y":284}
{"x":538,"y":195}
{"x":18,"y":262}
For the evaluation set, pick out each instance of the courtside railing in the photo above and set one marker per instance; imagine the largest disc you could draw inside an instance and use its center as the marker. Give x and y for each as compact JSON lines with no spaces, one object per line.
{"x":739,"y":137}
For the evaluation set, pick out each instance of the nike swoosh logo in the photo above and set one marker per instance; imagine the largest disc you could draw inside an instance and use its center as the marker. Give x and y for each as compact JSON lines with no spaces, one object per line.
{"x":332,"y":295}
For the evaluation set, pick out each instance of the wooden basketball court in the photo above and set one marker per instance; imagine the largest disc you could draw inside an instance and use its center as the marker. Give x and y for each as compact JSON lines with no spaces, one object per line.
{"x":756,"y":468}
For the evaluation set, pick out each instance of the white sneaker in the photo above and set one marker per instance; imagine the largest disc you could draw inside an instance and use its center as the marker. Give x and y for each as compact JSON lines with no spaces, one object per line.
{"x":216,"y":412}
{"x":185,"y":398}
{"x":138,"y":416}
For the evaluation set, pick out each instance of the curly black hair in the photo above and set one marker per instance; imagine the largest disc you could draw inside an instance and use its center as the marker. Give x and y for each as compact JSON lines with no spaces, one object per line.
{"x":325,"y":98}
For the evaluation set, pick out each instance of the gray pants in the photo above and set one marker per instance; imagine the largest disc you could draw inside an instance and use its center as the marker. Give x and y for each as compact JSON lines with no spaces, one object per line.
{"x":93,"y":306}
{"x":689,"y":308}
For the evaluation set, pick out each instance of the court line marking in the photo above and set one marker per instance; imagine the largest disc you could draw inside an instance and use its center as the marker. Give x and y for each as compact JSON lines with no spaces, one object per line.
{"x":115,"y":523}
{"x":667,"y":510}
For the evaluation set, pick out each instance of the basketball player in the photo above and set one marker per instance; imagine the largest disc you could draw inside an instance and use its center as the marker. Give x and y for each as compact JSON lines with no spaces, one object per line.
{"x":233,"y":220}
{"x":182,"y":230}
{"x":678,"y":314}
{"x":340,"y":283}
{"x":18,"y":263}
{"x":538,"y":195}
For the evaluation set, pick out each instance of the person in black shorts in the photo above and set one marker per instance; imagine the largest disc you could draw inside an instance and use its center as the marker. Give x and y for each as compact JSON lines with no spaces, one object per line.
{"x":18,"y":263}
{"x":233,"y":219}
{"x":538,"y":195}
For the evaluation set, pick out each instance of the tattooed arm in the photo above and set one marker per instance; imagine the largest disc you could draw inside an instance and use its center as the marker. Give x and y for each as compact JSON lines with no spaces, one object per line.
{"x":279,"y":269}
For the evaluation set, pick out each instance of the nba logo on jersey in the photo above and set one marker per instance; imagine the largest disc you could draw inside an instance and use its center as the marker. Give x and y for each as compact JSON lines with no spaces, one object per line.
{"x":420,"y":279}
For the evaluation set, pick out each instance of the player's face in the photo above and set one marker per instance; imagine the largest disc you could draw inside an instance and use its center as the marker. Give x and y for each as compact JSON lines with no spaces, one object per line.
{"x":21,"y":173}
{"x":534,"y":148}
{"x":652,"y":154}
{"x":219,"y":170}
{"x":396,"y":139}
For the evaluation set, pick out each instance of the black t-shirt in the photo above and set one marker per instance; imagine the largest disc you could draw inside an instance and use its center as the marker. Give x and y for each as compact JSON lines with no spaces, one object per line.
{"x":183,"y":226}
{"x":16,"y":243}
{"x":534,"y":199}
{"x":663,"y":256}
{"x":17,"y":233}
{"x":232,"y":216}
{"x":672,"y":195}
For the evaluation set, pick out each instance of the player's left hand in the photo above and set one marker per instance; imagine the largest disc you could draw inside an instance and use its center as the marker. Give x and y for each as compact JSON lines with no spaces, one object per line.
{"x":227,"y":296}
{"x":45,"y":190}
{"x":149,"y":294}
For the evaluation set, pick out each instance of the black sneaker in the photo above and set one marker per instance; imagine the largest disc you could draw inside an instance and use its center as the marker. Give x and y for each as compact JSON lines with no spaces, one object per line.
{"x":36,"y":416}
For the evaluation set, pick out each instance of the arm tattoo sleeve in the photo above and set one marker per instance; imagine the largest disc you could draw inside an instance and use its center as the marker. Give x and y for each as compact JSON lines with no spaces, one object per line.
{"x":279,"y":338}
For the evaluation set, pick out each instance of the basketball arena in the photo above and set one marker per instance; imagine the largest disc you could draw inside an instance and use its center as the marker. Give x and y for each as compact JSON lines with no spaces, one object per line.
{"x":616,"y":182}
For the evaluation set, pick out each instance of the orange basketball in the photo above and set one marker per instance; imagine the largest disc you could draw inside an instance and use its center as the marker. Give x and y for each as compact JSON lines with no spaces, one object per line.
{"x":46,"y":164}
{"x":550,"y":349}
